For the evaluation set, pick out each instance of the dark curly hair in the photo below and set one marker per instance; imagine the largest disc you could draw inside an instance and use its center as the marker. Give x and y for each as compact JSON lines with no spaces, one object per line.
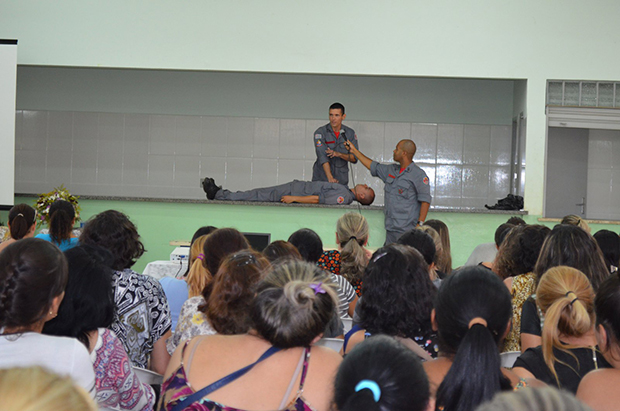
{"x":113,"y":231}
{"x":520,"y":249}
{"x":398,"y":293}
{"x":219,"y":244}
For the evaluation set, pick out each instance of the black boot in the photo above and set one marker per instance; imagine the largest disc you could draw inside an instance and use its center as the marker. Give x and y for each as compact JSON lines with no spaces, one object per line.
{"x":208,"y":185}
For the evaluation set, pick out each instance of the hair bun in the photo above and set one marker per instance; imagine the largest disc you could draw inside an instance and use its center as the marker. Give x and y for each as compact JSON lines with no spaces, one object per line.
{"x":299,"y":293}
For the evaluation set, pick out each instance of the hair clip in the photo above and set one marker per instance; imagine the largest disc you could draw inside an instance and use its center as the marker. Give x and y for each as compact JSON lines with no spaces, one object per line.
{"x":201,"y":257}
{"x":318,"y":288}
{"x":353,"y":238}
{"x":383,"y":254}
{"x":19,"y":215}
{"x":369,"y":385}
{"x":244,"y":259}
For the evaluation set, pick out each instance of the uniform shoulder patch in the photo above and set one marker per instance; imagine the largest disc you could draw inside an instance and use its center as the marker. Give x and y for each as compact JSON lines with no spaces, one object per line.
{"x":319,"y":143}
{"x":425,"y":181}
{"x":340,"y":200}
{"x":354,"y":136}
{"x":317,"y":135}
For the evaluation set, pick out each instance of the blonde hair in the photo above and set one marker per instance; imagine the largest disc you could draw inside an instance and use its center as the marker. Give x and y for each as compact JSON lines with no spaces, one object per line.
{"x":575,"y":220}
{"x":352,"y":230}
{"x":534,"y":399}
{"x":36,"y":389}
{"x":198,"y":275}
{"x":444,"y":261}
{"x":294,"y":304}
{"x":566,"y":298}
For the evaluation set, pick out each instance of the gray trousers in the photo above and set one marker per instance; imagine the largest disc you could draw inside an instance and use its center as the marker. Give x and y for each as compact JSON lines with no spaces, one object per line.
{"x":265,"y":194}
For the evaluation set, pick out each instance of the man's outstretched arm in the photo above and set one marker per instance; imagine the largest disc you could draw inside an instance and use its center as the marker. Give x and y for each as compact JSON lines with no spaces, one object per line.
{"x":361,"y":157}
{"x":300,"y":199}
{"x":328,"y":173}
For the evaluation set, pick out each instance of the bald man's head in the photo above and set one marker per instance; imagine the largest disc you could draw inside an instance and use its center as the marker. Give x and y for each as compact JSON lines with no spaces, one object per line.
{"x":408,"y":146}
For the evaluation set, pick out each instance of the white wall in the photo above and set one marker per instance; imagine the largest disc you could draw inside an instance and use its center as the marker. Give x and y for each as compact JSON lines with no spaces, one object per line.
{"x":530,"y":40}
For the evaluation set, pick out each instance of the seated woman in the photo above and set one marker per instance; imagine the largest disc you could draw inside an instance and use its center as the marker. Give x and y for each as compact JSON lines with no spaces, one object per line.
{"x":598,"y":388}
{"x":193,"y":281}
{"x":444,"y":263}
{"x":37,"y":389}
{"x":62,"y":219}
{"x":576,"y":221}
{"x":398,"y":300}
{"x":383,"y":375}
{"x":568,"y":350}
{"x":425,"y":244}
{"x":310,"y":247}
{"x":566,"y":245}
{"x":225,"y":302}
{"x":22,"y":223}
{"x":86,"y":313}
{"x":293,"y":305}
{"x":33,"y":276}
{"x":535,"y":399}
{"x":472,"y":315}
{"x":143,"y":322}
{"x":351,"y":257}
{"x":609,"y":243}
{"x":515,"y":263}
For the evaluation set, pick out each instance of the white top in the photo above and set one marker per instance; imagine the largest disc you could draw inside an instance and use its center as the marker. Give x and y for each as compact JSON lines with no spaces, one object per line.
{"x":61,"y":355}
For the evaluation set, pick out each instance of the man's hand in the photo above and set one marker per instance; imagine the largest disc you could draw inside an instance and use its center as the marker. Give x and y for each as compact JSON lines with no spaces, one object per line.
{"x":361,"y":157}
{"x":331,"y":153}
{"x":332,"y":179}
{"x":287,"y":199}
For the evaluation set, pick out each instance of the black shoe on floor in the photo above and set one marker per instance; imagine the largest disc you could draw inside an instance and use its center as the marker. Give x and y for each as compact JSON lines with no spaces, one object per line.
{"x":208,"y":185}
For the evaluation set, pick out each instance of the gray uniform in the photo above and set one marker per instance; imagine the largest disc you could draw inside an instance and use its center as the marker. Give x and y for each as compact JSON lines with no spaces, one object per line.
{"x":325,"y":138}
{"x":329,"y":193}
{"x":403,"y":194}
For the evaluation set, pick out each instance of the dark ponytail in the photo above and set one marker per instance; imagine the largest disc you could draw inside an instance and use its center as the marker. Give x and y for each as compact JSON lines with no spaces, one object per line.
{"x":381,"y":374}
{"x":473,"y":308}
{"x":21,"y":219}
{"x":61,"y":215}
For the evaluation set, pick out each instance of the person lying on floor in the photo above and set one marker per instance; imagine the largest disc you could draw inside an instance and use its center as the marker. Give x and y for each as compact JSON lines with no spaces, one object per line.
{"x":308,"y":192}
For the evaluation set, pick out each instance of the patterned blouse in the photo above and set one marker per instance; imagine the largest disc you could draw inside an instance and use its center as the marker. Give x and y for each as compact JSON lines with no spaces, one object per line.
{"x":143,"y":316}
{"x":117,"y":385}
{"x":192,"y":322}
{"x":523,"y":286}
{"x":330,"y":261}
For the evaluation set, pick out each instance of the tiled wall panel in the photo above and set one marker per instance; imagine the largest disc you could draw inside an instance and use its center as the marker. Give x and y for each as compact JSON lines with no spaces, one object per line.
{"x":165,"y":156}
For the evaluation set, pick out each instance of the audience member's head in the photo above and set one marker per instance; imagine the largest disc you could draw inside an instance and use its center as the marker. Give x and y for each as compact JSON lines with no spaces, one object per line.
{"x":609,"y":243}
{"x":221,"y":243}
{"x":89,"y":295}
{"x":308,"y":243}
{"x":37,"y":389}
{"x":398,"y":293}
{"x":352,"y":236}
{"x":294,"y":304}
{"x":33,"y":276}
{"x":436,"y":239}
{"x":279,"y":249}
{"x":534,"y":399}
{"x":445,"y":258}
{"x":514,"y":220}
{"x":577,"y":221}
{"x":424,"y":243}
{"x":572,"y":246}
{"x":607,"y":308}
{"x":202,"y":231}
{"x":229,"y":296}
{"x":198,"y":275}
{"x":113,"y":231}
{"x":501,"y":232}
{"x":473,"y":309}
{"x":62,"y":218}
{"x":566,"y":299}
{"x":22,"y":221}
{"x":520,"y":249}
{"x":379,"y":375}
